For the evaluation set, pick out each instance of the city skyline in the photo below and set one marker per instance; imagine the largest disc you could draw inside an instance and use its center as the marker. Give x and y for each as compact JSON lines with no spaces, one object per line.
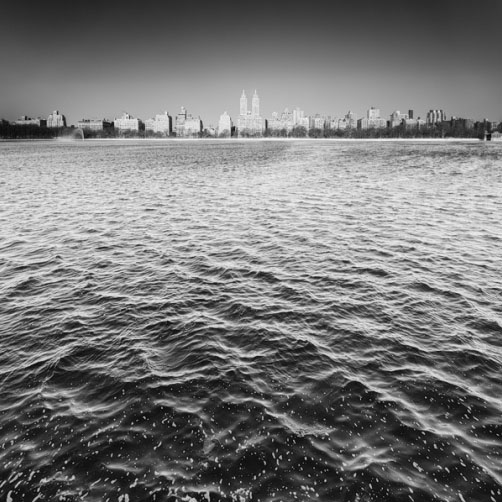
{"x":290,"y":123}
{"x":147,"y":58}
{"x":251,"y":120}
{"x":252,"y":113}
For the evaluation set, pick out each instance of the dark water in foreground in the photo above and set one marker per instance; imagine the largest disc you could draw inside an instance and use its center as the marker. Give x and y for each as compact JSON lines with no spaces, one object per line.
{"x":251,"y":321}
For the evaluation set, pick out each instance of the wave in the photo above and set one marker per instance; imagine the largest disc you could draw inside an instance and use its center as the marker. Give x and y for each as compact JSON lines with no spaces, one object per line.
{"x":270,"y":321}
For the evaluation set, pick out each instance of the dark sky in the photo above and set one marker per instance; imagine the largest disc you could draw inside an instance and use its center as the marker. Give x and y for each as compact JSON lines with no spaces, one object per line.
{"x":99,"y":60}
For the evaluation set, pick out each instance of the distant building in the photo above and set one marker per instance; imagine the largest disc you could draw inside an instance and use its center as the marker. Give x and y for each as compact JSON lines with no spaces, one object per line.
{"x":396,"y":118}
{"x":318,"y":121}
{"x":373,"y":113}
{"x":193,"y":126}
{"x":333,"y":123}
{"x":435,"y":117}
{"x":186,"y":125}
{"x":274,"y":121}
{"x":490,"y":125}
{"x":225,"y":125}
{"x":127,"y":123}
{"x":372,"y":120}
{"x":457,"y":122}
{"x":180,"y":120}
{"x":162,"y":123}
{"x":94,"y":124}
{"x":282,"y":122}
{"x":24,"y":120}
{"x":349,"y":121}
{"x":250,"y":122}
{"x":299,"y":118}
{"x":411,"y":123}
{"x":484,"y":125}
{"x":56,"y":119}
{"x":288,"y":120}
{"x":149,"y":124}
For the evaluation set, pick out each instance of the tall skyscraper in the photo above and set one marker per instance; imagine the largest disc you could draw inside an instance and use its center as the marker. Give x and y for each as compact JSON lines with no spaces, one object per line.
{"x":255,"y":105}
{"x":244,"y":103}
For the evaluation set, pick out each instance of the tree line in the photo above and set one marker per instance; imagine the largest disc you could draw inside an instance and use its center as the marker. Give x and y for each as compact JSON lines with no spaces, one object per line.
{"x":31,"y":131}
{"x":442,"y":130}
{"x":448,"y":129}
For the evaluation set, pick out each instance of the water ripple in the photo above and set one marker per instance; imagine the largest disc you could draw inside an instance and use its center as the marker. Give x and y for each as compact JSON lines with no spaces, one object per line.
{"x":240,"y":321}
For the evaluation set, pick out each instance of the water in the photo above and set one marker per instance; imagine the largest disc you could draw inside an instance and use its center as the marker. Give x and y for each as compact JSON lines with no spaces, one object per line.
{"x":251,"y":321}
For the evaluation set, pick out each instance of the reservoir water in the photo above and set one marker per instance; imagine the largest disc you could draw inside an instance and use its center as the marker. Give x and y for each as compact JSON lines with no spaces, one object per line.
{"x":251,"y":321}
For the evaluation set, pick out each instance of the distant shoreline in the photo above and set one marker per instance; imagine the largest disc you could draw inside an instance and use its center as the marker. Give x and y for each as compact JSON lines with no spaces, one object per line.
{"x":244,"y":140}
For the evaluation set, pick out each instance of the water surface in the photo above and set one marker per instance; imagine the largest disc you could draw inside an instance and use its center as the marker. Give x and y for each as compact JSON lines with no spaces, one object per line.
{"x":251,"y":321}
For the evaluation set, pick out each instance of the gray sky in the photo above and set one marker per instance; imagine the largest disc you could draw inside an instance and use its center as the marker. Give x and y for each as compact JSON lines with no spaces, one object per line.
{"x":98,"y":60}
